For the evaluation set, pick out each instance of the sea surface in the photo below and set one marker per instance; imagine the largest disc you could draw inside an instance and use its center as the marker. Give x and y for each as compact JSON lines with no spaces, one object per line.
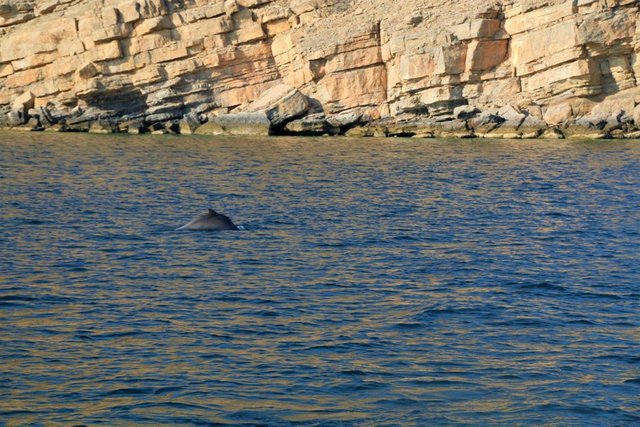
{"x":375,"y":282}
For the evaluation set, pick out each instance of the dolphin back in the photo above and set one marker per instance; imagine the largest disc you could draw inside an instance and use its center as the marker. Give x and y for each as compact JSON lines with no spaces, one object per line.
{"x":211,"y":221}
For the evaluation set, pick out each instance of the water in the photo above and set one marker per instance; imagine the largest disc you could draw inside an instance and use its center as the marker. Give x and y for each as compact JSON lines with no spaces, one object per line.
{"x":377,"y":282}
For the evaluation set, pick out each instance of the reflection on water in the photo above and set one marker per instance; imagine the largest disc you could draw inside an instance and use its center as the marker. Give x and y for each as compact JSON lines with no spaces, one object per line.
{"x":378,"y":282}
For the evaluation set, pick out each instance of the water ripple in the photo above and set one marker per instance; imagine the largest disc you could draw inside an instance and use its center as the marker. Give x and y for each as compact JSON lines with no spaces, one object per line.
{"x":376,"y":282}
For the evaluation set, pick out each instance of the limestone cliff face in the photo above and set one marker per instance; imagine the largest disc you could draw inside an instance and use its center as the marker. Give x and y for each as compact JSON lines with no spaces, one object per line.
{"x":472,"y":67}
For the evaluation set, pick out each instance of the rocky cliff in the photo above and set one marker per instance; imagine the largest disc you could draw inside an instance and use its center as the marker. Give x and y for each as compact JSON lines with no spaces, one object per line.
{"x":510,"y":68}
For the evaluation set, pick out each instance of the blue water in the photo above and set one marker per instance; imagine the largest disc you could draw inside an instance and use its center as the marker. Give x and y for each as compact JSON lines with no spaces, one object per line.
{"x":391,"y":282}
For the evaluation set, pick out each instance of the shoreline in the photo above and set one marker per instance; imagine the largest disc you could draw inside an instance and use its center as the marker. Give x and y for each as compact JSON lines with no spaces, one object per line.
{"x":285,"y":110}
{"x":416,"y":129}
{"x":474,"y":69}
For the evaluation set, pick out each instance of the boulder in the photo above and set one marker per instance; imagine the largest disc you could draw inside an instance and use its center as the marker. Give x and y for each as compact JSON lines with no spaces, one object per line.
{"x":157,"y":128}
{"x":78,"y":127}
{"x":90,"y":114}
{"x":454,"y":129}
{"x":173,"y":127}
{"x":172,"y":113}
{"x":486,"y":122}
{"x":584,"y":128}
{"x":633,"y":135}
{"x":613,"y":122}
{"x":616,"y":134}
{"x":362,"y":131}
{"x":511,"y":121}
{"x":558,"y":113}
{"x":20,"y":107}
{"x":281,"y":103}
{"x":14,"y":118}
{"x":395,"y":128}
{"x":44,"y":115}
{"x":552,"y":133}
{"x":345,"y":119}
{"x":315,"y":124}
{"x":210,"y":128}
{"x":189,"y":124}
{"x":100,"y":126}
{"x":531,"y":127}
{"x":24,"y":102}
{"x":87,"y":71}
{"x":242,"y":124}
{"x":511,"y":116}
{"x":133,"y":127}
{"x":58,"y":127}
{"x":31,"y":125}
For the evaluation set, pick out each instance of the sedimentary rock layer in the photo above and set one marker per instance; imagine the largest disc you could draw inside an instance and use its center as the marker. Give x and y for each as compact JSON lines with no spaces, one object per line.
{"x":511,"y":68}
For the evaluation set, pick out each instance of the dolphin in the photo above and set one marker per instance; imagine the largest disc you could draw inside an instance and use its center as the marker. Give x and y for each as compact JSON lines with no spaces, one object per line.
{"x":212,"y":220}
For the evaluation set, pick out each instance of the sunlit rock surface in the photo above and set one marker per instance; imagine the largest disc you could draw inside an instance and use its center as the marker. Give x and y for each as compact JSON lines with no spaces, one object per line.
{"x":529,"y":68}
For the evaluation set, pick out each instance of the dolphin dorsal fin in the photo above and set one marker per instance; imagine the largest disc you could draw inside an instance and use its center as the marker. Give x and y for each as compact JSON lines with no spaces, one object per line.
{"x":212,"y":212}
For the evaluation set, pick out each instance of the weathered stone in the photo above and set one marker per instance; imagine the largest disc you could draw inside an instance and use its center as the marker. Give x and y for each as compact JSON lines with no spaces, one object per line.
{"x":14,"y":119}
{"x":559,"y":113}
{"x":244,"y":124}
{"x":509,"y":126}
{"x":87,"y":71}
{"x":583,"y":128}
{"x":157,"y":128}
{"x":352,"y":88}
{"x":485,"y":123}
{"x":361,"y":132}
{"x":57,"y":112}
{"x":133,"y":127}
{"x":465,"y":112}
{"x":612,"y":123}
{"x":5,"y":9}
{"x":189,"y":124}
{"x":57,"y":127}
{"x":552,"y":133}
{"x":280,"y":103}
{"x":485,"y":55}
{"x":231,"y":7}
{"x":173,"y":127}
{"x":164,"y":114}
{"x":315,"y":124}
{"x":33,"y":124}
{"x":572,"y":59}
{"x":617,"y":134}
{"x":454,"y":129}
{"x":78,"y":127}
{"x":531,"y":127}
{"x":633,"y":135}
{"x":210,"y":128}
{"x":101,"y":127}
{"x":511,"y":116}
{"x":345,"y":119}
{"x":23,"y":103}
{"x":429,"y":128}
